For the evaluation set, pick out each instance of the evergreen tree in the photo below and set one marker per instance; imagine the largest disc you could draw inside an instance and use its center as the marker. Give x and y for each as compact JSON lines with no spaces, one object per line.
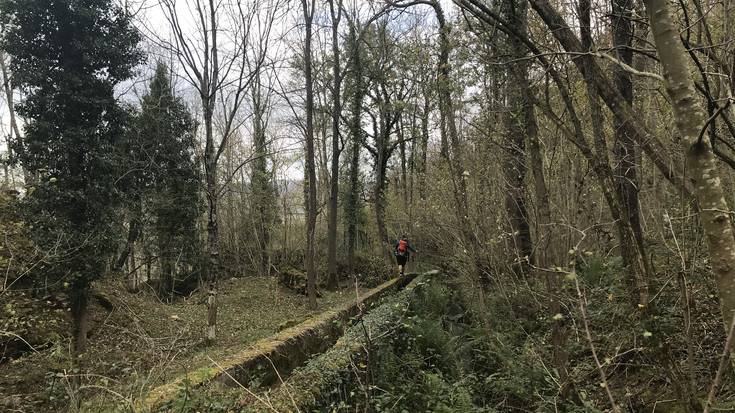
{"x":67,"y":57}
{"x":165,"y":134}
{"x":263,"y":191}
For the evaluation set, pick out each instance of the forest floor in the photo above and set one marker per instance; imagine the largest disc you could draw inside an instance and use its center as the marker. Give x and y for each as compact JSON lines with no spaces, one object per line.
{"x":144,"y":342}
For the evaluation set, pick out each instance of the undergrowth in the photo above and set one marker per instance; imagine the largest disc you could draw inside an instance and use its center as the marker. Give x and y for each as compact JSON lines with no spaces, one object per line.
{"x":443,"y":357}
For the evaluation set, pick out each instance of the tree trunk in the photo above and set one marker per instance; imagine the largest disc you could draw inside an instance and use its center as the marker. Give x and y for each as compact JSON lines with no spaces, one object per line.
{"x":630,"y":250}
{"x":166,"y":278}
{"x":544,"y":236}
{"x":286,"y":223}
{"x":403,"y":188}
{"x":321,"y":125}
{"x":690,"y":119}
{"x":332,"y":281}
{"x":412,"y":167}
{"x":80,"y":316}
{"x":353,"y":201}
{"x":165,"y":285}
{"x":135,"y":225}
{"x":514,"y":153}
{"x":653,"y":148}
{"x":624,"y":148}
{"x":310,"y":166}
{"x":423,"y":147}
{"x":448,"y":126}
{"x":514,"y":172}
{"x":262,"y":188}
{"x":353,"y":197}
{"x":212,"y":266}
{"x":381,"y":165}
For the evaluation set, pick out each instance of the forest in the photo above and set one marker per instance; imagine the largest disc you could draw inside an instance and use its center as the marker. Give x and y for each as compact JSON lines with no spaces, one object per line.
{"x":367,"y":206}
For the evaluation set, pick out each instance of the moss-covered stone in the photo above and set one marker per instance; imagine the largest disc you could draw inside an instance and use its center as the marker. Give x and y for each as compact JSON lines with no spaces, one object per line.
{"x":304,"y":387}
{"x":276,"y":356}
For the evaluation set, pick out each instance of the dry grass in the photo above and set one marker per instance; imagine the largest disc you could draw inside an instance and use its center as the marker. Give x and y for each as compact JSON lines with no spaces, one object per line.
{"x":144,"y":343}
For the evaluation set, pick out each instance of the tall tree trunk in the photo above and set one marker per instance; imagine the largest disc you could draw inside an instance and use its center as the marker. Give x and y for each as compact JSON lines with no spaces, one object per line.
{"x":135,"y":226}
{"x":352,"y":212}
{"x":624,"y":148}
{"x":631,"y":251}
{"x":402,"y":152}
{"x":321,"y":139}
{"x":514,"y":172}
{"x":286,"y":223}
{"x":353,"y":197}
{"x":80,"y":316}
{"x":208,"y":94}
{"x":448,"y":131}
{"x":412,"y":166}
{"x":332,"y":281}
{"x":544,"y":234}
{"x":423,"y":147}
{"x":210,"y":173}
{"x":310,"y":166}
{"x":543,"y":258}
{"x":381,"y":165}
{"x":514,"y":149}
{"x":261,"y":185}
{"x":651,"y":145}
{"x":690,"y":119}
{"x":166,"y":275}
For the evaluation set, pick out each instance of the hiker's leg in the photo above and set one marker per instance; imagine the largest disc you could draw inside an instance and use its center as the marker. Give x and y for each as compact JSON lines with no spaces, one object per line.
{"x":401,"y":263}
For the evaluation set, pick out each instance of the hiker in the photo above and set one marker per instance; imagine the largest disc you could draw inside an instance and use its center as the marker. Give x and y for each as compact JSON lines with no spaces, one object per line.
{"x":402,"y":251}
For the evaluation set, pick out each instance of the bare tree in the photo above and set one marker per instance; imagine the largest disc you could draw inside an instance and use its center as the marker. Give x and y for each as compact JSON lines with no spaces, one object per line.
{"x":335,"y":11}
{"x":220,"y":58}
{"x":310,"y":173}
{"x":691,"y":122}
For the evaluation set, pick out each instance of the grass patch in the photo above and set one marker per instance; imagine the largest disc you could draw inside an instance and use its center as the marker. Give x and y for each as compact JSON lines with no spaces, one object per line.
{"x":144,"y":342}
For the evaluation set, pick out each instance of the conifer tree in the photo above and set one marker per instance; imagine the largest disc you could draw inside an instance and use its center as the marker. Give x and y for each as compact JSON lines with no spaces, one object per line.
{"x":67,"y":58}
{"x":165,"y":131}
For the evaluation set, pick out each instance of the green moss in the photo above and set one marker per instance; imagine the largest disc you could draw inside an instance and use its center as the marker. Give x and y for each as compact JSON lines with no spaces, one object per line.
{"x":140,"y":346}
{"x":269,"y":347}
{"x":306,"y":384}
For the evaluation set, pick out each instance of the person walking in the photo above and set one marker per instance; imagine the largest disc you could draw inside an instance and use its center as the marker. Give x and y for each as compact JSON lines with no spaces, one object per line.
{"x":403,"y":250}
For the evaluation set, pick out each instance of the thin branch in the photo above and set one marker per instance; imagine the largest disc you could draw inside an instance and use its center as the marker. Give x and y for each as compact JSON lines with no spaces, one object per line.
{"x":600,"y":369}
{"x":723,"y":363}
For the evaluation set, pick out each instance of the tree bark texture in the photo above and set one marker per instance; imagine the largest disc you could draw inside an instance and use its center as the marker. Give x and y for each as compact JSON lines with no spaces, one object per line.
{"x":336,"y":13}
{"x":262,"y":189}
{"x":624,"y":149}
{"x":353,"y":196}
{"x":631,"y":250}
{"x":690,"y":119}
{"x":514,"y":144}
{"x":651,"y":145}
{"x":310,"y":164}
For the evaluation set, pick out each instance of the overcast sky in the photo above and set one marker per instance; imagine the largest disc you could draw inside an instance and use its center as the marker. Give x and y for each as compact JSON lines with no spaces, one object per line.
{"x":284,"y":41}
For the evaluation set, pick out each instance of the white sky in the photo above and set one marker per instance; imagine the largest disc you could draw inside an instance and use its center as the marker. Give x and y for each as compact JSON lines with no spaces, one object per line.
{"x":285,"y":41}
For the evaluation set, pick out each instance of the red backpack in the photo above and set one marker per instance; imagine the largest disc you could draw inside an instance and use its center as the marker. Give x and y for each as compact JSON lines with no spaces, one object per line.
{"x":402,"y":247}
